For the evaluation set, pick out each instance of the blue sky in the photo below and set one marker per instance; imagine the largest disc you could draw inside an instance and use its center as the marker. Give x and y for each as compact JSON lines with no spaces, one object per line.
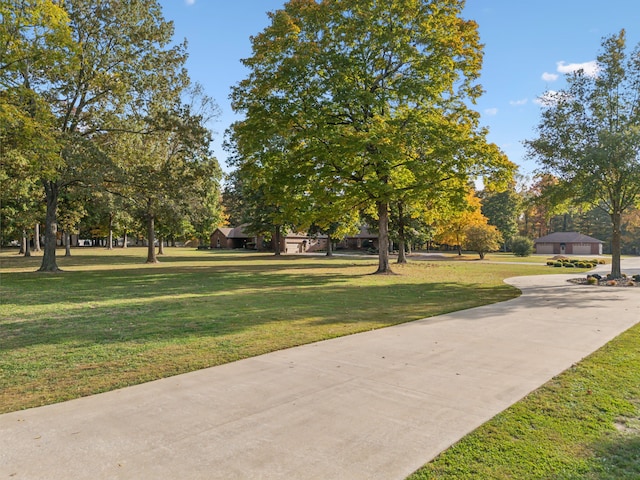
{"x":528,"y":46}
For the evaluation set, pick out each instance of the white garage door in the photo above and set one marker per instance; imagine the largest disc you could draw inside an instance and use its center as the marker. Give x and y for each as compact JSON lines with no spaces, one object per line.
{"x":544,"y":248}
{"x":582,"y":249}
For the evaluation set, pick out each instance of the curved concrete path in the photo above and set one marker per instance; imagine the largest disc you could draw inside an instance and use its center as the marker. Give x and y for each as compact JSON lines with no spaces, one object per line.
{"x":376,"y":405}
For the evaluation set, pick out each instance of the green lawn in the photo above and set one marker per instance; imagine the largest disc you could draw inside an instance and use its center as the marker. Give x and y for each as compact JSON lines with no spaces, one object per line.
{"x":109,"y":320}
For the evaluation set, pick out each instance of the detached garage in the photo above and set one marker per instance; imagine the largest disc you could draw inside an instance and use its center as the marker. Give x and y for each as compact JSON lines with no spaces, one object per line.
{"x":568,"y":243}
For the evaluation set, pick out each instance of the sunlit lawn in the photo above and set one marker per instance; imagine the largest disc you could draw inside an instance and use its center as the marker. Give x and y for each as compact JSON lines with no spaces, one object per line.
{"x":109,"y":320}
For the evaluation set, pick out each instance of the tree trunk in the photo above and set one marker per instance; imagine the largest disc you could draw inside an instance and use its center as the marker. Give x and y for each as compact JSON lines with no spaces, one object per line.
{"x":23,"y":243}
{"x":51,"y":229}
{"x":36,"y":238}
{"x":110,"y":239}
{"x":329,"y":246}
{"x":402,"y":258}
{"x":27,"y":244}
{"x":161,"y":246}
{"x":124,"y":240}
{"x":383,"y":238}
{"x":616,"y":220}
{"x":67,"y":244}
{"x":151,"y":237}
{"x":276,"y":239}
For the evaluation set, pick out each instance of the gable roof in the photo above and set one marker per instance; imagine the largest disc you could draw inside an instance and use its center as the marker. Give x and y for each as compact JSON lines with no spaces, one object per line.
{"x":236,"y":232}
{"x":567,"y":237}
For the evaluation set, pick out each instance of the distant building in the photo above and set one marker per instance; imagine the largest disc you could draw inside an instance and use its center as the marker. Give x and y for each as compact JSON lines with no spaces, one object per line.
{"x":225,"y":237}
{"x":568,"y":243}
{"x":231,"y":238}
{"x":290,"y":242}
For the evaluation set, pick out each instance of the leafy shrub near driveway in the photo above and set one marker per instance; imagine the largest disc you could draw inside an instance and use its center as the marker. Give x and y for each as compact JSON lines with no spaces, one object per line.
{"x":521,"y":246}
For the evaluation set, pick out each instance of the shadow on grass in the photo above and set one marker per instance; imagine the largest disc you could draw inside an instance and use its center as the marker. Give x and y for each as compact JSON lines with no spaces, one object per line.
{"x":227,"y":305}
{"x":617,"y":458}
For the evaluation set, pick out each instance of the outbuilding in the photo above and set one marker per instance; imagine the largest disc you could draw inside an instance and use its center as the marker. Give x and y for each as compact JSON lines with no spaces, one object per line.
{"x":224,"y":237}
{"x":568,"y":243}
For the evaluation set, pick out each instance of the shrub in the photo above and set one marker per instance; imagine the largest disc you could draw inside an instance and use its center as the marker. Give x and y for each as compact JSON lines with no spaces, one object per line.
{"x":551,"y":263}
{"x":592,"y":280}
{"x":521,"y":246}
{"x":636,"y":278}
{"x":557,"y":264}
{"x":482,"y":239}
{"x":569,"y":265}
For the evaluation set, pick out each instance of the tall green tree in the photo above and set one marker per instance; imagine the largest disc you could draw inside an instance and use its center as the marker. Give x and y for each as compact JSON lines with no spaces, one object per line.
{"x":502,"y":210}
{"x":169,"y":167}
{"x":120,"y":53}
{"x":589,"y":136}
{"x":372,"y":95}
{"x":34,"y":42}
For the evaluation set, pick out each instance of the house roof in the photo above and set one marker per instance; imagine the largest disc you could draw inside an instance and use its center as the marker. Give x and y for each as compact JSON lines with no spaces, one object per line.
{"x":236,"y":232}
{"x":567,"y":237}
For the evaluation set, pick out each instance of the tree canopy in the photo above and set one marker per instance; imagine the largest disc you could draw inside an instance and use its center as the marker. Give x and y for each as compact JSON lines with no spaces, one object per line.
{"x":83,"y":84}
{"x":589,"y":136}
{"x":371,"y":97}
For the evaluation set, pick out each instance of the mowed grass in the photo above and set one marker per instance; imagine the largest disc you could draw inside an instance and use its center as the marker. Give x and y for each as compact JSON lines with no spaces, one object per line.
{"x":109,"y":320}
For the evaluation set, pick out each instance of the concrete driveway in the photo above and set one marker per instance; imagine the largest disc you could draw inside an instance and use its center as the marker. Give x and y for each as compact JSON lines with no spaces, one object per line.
{"x":376,"y":405}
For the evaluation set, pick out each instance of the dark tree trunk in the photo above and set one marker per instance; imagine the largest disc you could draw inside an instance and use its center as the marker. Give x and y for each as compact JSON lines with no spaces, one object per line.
{"x":402,"y":258}
{"x":151,"y":237}
{"x":67,"y":244}
{"x":36,"y":238}
{"x":51,"y":229}
{"x":161,"y":246}
{"x":276,"y":240}
{"x":329,"y":246}
{"x":110,"y":239}
{"x":27,"y":243}
{"x":383,"y":238}
{"x":616,"y":220}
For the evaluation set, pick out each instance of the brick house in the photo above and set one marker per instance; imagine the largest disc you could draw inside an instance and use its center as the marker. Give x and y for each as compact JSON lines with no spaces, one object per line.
{"x":568,"y":243}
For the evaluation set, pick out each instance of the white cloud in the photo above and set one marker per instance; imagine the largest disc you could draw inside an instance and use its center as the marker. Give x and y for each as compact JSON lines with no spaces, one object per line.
{"x":190,"y":2}
{"x":549,"y":77}
{"x":590,"y":68}
{"x":491,"y":111}
{"x":518,"y":103}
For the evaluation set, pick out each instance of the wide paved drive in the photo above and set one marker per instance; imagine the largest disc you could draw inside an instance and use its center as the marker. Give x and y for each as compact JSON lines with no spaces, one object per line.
{"x":370,"y":406}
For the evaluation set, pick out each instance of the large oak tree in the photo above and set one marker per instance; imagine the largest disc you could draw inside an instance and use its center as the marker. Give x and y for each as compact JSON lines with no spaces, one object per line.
{"x":370,"y":96}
